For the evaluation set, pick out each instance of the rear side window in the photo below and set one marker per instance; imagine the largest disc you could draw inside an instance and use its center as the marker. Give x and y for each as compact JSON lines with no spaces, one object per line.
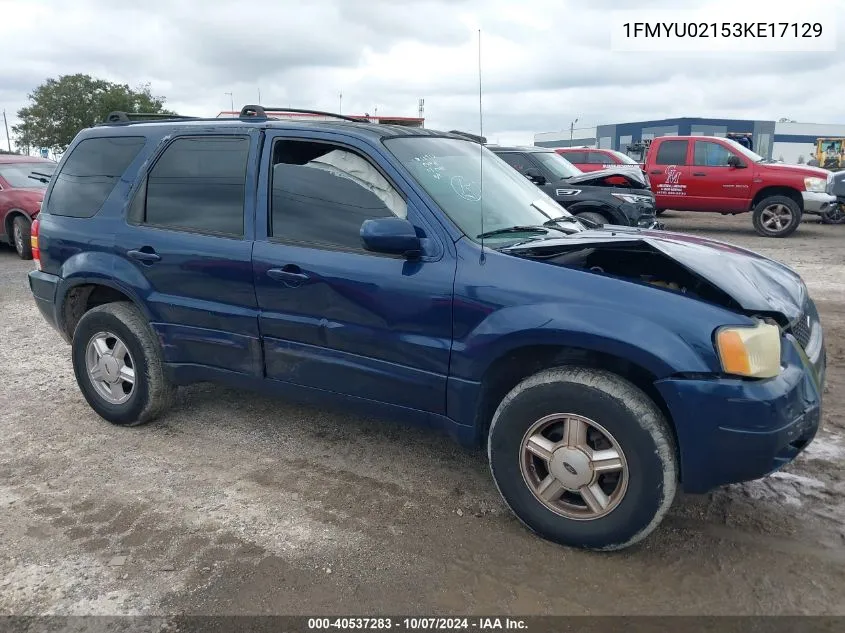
{"x":576,"y":157}
{"x":518,"y":161}
{"x":597,"y":158}
{"x":198,"y":185}
{"x":90,"y":174}
{"x":672,"y":153}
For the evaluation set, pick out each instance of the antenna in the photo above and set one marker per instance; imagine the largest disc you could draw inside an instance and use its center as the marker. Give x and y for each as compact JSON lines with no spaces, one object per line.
{"x":481,"y":150}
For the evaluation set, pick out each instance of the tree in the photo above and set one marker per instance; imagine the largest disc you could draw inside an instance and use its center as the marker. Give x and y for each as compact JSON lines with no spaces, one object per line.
{"x":59,"y":108}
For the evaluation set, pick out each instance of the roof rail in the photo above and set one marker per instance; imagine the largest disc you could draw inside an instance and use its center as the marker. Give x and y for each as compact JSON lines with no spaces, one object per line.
{"x":119,"y":116}
{"x":477,"y":139}
{"x":260,"y":112}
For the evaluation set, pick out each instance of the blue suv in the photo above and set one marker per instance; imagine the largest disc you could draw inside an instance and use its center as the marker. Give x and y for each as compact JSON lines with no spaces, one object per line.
{"x":414,"y":274}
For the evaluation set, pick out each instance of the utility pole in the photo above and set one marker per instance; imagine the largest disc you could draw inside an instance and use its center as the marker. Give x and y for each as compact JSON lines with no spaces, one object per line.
{"x":8,"y":140}
{"x":571,"y":131}
{"x":259,"y":95}
{"x":340,"y":103}
{"x":232,"y":101}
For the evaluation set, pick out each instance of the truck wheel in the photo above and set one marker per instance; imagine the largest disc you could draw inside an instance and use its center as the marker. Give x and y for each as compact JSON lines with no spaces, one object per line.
{"x":118,"y":365}
{"x":20,"y":237}
{"x":583,"y":458}
{"x":776,"y":216}
{"x":592,"y":216}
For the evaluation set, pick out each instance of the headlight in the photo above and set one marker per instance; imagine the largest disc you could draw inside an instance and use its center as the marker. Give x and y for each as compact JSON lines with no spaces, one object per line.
{"x":815,"y":185}
{"x":749,"y":351}
{"x":631,"y":197}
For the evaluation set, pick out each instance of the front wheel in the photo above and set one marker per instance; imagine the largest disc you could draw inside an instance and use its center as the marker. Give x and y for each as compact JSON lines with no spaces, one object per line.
{"x":835,"y":215}
{"x":583,"y":458}
{"x":20,"y":237}
{"x":118,"y":365}
{"x":776,"y":216}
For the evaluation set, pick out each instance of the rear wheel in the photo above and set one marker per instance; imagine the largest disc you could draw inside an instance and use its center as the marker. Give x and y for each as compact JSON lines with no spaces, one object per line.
{"x":20,"y":237}
{"x":776,"y":216}
{"x":660,"y":211}
{"x":583,"y":458}
{"x":119,"y":366}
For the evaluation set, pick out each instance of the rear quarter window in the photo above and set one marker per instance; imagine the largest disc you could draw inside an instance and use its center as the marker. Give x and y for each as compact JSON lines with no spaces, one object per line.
{"x":672,"y":153}
{"x":90,"y":174}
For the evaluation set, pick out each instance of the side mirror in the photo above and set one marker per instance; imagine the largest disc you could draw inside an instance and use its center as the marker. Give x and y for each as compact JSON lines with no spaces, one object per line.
{"x":535,"y":176}
{"x":394,"y":236}
{"x":735,"y":162}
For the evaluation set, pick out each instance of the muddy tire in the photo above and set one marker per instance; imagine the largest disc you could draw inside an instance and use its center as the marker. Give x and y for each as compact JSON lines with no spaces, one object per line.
{"x":836,"y":214}
{"x":119,"y":367}
{"x":583,"y":458}
{"x":21,"y":237}
{"x":592,"y":216}
{"x":776,"y":216}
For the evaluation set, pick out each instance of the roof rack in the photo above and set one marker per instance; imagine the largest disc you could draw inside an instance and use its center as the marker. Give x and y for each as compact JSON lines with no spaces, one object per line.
{"x":119,"y":116}
{"x":260,"y":112}
{"x":477,"y":139}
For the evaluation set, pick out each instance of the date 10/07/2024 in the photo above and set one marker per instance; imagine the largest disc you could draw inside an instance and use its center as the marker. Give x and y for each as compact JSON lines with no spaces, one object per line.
{"x":418,"y":624}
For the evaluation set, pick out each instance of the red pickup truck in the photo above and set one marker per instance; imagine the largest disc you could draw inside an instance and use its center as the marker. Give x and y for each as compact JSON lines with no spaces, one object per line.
{"x":714,"y":174}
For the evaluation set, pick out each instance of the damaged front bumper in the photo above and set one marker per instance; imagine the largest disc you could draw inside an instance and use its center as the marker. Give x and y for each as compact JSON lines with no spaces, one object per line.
{"x":733,"y":430}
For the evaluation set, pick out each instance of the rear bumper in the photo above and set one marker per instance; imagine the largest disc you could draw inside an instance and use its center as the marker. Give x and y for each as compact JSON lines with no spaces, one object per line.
{"x":817,"y":202}
{"x":43,"y":286}
{"x":732,"y":430}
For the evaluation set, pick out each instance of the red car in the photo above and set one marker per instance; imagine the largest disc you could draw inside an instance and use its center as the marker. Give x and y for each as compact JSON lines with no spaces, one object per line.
{"x":589,"y":159}
{"x":23,"y":180}
{"x":714,"y":174}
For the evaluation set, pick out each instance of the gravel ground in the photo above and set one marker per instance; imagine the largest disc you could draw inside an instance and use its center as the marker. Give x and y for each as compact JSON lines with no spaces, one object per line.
{"x":237,"y":503}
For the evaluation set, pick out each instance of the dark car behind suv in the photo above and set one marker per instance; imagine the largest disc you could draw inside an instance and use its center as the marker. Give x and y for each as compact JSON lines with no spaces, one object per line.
{"x":615,"y":195}
{"x":412,"y":274}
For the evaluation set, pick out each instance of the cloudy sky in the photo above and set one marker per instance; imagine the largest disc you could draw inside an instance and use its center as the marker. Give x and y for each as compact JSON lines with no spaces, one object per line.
{"x":543,"y":64}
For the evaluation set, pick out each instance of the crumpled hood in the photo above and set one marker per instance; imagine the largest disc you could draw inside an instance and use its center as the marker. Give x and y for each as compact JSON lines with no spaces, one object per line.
{"x":756,"y":283}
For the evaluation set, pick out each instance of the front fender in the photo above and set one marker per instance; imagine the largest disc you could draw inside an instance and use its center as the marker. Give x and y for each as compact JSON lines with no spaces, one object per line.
{"x":652,"y":346}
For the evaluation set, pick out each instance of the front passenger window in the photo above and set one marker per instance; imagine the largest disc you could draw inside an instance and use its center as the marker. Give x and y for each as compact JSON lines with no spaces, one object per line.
{"x":322,"y":193}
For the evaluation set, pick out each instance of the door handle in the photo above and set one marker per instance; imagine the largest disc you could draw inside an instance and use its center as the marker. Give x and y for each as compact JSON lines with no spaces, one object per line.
{"x":144,"y":256}
{"x":290,"y":275}
{"x":698,"y":173}
{"x":656,"y":171}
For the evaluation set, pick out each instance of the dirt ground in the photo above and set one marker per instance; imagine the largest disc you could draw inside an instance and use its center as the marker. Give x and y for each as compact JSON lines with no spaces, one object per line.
{"x":236,"y":503}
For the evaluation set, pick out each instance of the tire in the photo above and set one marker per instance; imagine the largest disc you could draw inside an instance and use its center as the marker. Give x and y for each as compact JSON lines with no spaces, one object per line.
{"x":592,"y":216}
{"x":150,"y":394}
{"x":659,"y":211}
{"x":20,"y":237}
{"x":788,"y":212}
{"x":649,"y":472}
{"x":836,"y":215}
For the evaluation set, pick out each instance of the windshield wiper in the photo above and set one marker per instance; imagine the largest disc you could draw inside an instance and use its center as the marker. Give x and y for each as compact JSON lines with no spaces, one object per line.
{"x":514,"y":229}
{"x":45,"y":178}
{"x":561,"y":218}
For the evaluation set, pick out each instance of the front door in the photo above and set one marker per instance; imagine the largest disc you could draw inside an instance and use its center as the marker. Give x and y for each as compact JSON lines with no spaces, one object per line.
{"x":334,"y":316}
{"x":713,"y":184}
{"x":669,"y":174}
{"x":188,"y":238}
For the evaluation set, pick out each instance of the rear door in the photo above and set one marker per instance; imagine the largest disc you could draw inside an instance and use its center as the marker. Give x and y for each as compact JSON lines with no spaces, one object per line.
{"x":669,"y":172}
{"x":334,"y":316}
{"x":714,"y":185}
{"x":188,"y":236}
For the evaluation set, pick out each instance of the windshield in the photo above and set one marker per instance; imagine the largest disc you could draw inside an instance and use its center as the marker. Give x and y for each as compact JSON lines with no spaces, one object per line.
{"x":741,"y":149}
{"x":557,"y":164}
{"x":450,"y":171}
{"x":624,"y":158}
{"x":32,"y":175}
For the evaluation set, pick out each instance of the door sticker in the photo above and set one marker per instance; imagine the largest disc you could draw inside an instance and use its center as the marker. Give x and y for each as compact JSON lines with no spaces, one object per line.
{"x":672,"y":186}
